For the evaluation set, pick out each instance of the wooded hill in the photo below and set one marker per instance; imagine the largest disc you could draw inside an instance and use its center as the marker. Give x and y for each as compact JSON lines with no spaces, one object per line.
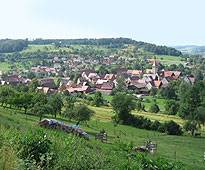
{"x":7,"y":46}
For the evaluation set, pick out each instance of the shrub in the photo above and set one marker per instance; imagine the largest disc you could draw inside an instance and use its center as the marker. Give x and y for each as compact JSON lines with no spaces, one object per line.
{"x":139,"y":106}
{"x":172,"y":128}
{"x":35,"y":147}
{"x":171,"y":107}
{"x":155,"y":125}
{"x":154,"y":108}
{"x":147,"y":101}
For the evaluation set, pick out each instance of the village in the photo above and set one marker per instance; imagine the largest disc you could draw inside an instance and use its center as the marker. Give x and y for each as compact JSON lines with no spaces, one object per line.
{"x":90,"y":81}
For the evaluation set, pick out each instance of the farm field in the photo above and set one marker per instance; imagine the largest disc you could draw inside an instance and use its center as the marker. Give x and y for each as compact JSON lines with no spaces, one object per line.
{"x":186,"y":149}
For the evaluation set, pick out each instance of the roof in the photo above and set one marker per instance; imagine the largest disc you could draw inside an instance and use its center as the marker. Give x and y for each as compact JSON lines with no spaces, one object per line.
{"x":155,"y":62}
{"x":87,"y":72}
{"x":121,"y":70}
{"x":134,"y":72}
{"x":177,"y":73}
{"x":192,"y":79}
{"x":109,"y":76}
{"x":100,"y":81}
{"x":92,"y":75}
{"x":13,"y":78}
{"x":78,"y":89}
{"x":107,"y":85}
{"x":48,"y":83}
{"x":157,"y":83}
{"x":168,"y":73}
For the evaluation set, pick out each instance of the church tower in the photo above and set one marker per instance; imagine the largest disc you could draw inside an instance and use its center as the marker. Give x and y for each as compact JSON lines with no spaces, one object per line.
{"x":154,"y":67}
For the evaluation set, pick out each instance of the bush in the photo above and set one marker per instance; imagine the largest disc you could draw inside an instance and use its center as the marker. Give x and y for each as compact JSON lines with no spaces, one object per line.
{"x":172,"y":128}
{"x":171,"y":107}
{"x":35,"y":148}
{"x":154,"y":108}
{"x":155,"y":125}
{"x":147,"y":101}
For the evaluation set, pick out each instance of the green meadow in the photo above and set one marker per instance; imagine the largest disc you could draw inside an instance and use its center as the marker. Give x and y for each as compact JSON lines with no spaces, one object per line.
{"x":187,"y":149}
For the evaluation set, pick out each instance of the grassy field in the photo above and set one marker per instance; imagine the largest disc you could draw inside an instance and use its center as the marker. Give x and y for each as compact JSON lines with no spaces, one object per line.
{"x":4,"y":66}
{"x":160,"y":102}
{"x":186,"y":149}
{"x":106,"y":97}
{"x":33,"y":48}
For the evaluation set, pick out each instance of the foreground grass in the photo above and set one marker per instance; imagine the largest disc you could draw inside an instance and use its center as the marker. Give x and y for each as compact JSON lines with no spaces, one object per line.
{"x":184,"y":148}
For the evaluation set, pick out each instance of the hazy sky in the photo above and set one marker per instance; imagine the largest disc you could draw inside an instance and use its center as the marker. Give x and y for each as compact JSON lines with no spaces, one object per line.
{"x":165,"y":22}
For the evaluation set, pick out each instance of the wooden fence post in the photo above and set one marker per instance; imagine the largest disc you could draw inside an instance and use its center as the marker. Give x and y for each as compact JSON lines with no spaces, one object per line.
{"x":175,"y":155}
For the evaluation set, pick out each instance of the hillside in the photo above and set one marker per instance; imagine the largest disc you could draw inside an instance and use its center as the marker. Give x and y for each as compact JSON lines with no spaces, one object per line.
{"x":185,"y":149}
{"x":41,"y":52}
{"x":191,"y":49}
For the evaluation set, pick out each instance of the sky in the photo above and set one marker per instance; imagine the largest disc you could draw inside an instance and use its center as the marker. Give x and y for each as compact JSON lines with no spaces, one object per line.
{"x":163,"y":22}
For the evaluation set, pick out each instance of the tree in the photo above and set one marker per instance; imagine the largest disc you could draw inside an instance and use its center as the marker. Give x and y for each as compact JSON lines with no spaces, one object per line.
{"x":34,"y":84}
{"x":154,"y":108}
{"x":41,"y":109}
{"x":69,"y":105}
{"x":77,"y":75}
{"x":7,"y":93}
{"x":55,"y":100}
{"x":122,"y":105}
{"x":171,"y":107}
{"x":197,"y":74}
{"x":192,"y":105}
{"x":31,"y":75}
{"x":172,"y":128}
{"x":169,"y":92}
{"x":120,"y":85}
{"x":82,"y":113}
{"x":25,"y":100}
{"x":139,"y":106}
{"x":98,"y":99}
{"x":153,"y":91}
{"x":183,"y":87}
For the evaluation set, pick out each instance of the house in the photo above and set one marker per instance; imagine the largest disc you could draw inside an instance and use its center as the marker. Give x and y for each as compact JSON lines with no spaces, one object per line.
{"x":85,"y":73}
{"x":120,"y":70}
{"x":165,"y":80}
{"x":106,"y":62}
{"x":48,"y":83}
{"x":168,"y":73}
{"x":106,"y":88}
{"x":46,"y":90}
{"x":82,"y":89}
{"x":150,"y":85}
{"x":134,"y":72}
{"x":110,"y":77}
{"x":177,"y":73}
{"x":93,"y":75}
{"x":11,"y":80}
{"x":189,"y":79}
{"x":81,"y":80}
{"x":134,"y":78}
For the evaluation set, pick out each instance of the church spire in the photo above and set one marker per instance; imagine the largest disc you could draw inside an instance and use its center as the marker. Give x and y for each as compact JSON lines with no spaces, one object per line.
{"x":154,"y":67}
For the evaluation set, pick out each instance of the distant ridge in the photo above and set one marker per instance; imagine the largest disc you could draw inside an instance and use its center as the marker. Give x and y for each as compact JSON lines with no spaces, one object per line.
{"x":191,"y":49}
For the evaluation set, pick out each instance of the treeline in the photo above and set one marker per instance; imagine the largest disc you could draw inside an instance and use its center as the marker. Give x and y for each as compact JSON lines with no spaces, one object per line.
{"x":9,"y":46}
{"x":111,"y":43}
